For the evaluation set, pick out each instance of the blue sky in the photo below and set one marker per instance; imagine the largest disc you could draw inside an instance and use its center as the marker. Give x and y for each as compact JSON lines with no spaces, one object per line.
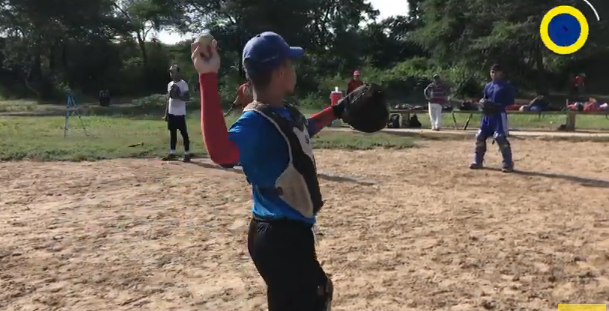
{"x":386,"y":7}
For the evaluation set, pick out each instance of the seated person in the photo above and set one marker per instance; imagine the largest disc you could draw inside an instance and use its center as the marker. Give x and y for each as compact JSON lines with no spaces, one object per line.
{"x":592,"y":106}
{"x":539,"y":103}
{"x":104,"y":98}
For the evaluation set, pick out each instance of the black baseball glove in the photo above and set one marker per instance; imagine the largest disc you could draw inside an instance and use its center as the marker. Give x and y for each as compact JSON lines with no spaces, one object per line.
{"x":364,"y":109}
{"x":488,"y":107}
{"x":174,"y":91}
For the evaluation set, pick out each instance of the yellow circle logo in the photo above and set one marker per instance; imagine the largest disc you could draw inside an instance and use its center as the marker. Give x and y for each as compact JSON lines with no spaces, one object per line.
{"x":564,"y":30}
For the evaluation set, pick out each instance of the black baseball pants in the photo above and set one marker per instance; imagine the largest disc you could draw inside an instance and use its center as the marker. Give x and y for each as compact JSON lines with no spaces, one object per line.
{"x":283,"y":251}
{"x":175,"y":124}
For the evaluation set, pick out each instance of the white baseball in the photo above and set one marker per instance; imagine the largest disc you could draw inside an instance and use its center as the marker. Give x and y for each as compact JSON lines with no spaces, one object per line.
{"x":205,"y":39}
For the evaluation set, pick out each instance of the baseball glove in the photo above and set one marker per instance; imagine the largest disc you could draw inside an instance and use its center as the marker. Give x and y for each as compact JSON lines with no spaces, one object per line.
{"x":174,"y":91}
{"x":365,"y":109}
{"x":488,"y":107}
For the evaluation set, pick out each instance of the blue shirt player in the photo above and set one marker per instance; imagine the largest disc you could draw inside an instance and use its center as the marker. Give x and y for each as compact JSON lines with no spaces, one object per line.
{"x":272,"y":142}
{"x":500,"y":92}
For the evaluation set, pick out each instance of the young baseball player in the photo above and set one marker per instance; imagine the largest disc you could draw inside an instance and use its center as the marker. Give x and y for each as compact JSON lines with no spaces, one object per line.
{"x":272,"y":141}
{"x":175,"y":113}
{"x":498,"y":94}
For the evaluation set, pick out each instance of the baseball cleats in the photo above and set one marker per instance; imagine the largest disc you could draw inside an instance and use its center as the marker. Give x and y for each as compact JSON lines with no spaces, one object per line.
{"x":507,"y":169}
{"x":169,"y":157}
{"x":475,"y":166}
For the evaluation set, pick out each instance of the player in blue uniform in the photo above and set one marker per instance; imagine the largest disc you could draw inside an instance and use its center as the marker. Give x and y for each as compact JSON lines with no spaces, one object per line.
{"x":272,"y":142}
{"x":500,"y":92}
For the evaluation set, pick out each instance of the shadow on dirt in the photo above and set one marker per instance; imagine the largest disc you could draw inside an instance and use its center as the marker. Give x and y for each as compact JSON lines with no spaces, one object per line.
{"x":469,"y":136}
{"x":321,"y":175}
{"x":586,"y":182}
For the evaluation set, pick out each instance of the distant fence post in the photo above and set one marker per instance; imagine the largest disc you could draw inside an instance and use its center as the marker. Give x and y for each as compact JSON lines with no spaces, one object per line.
{"x":570,"y":124}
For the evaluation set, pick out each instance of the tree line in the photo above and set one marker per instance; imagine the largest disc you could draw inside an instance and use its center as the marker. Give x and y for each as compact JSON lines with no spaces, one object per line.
{"x":48,"y":47}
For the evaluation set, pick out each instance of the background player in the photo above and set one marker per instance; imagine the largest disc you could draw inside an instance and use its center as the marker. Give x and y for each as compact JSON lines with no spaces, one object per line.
{"x":244,"y":97}
{"x":498,"y":94}
{"x":175,"y":113}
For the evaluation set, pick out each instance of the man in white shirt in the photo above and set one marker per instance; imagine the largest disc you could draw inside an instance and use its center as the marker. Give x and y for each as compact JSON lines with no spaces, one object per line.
{"x":175,"y":113}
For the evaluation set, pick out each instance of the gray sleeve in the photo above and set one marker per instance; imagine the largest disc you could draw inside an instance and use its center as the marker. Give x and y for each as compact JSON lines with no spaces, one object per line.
{"x":426,"y":91}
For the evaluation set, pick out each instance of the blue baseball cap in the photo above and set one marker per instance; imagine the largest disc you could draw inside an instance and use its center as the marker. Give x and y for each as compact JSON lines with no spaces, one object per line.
{"x":266,"y":51}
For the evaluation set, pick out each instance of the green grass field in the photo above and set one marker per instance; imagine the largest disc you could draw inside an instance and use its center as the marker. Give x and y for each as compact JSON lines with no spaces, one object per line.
{"x":526,"y":122}
{"x":153,"y":105}
{"x":136,"y":130}
{"x":41,"y":138}
{"x":7,"y":106}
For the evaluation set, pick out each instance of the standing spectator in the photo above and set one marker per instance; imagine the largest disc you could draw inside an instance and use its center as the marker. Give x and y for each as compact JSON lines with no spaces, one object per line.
{"x":437,"y":96}
{"x":104,"y":98}
{"x":175,"y":113}
{"x":578,"y":86}
{"x":355,"y":82}
{"x":244,"y":95}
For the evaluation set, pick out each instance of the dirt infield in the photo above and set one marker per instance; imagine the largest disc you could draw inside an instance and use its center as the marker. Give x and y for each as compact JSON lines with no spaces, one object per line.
{"x":431,"y":235}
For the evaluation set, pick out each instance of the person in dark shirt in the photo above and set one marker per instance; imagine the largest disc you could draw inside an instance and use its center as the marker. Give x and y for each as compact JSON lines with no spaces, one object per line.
{"x":104,"y":98}
{"x":244,"y":95}
{"x":355,"y":82}
{"x":577,"y":87}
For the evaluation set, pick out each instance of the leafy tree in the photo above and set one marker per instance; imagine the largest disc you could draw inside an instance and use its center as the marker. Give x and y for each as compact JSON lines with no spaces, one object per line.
{"x":48,"y":47}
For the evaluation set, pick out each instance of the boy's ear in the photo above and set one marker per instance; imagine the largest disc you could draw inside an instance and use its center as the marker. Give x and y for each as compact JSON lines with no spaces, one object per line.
{"x":285,"y":64}
{"x":280,"y":71}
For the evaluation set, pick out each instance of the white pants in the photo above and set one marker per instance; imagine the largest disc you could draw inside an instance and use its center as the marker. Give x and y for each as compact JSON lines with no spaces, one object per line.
{"x":435,"y":115}
{"x":504,"y":121}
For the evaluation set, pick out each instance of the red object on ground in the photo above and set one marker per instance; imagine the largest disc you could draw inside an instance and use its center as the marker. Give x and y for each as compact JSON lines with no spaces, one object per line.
{"x":335,"y":97}
{"x":514,"y":107}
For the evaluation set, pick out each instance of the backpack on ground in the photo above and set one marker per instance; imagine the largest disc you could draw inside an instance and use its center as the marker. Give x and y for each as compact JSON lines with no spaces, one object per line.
{"x":414,"y":123}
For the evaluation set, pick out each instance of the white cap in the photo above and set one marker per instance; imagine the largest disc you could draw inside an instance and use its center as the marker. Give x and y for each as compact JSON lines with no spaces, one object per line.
{"x":336,"y":89}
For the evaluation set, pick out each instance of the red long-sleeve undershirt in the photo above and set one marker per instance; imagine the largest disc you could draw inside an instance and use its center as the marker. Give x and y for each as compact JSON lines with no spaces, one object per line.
{"x":320,"y":120}
{"x":220,"y":148}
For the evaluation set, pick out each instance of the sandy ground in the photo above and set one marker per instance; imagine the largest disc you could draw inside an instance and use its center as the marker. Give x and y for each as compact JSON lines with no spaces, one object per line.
{"x":431,"y":235}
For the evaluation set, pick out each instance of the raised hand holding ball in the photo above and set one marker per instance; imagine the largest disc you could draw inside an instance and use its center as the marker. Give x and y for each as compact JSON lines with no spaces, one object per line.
{"x":205,"y":42}
{"x":204,"y":55}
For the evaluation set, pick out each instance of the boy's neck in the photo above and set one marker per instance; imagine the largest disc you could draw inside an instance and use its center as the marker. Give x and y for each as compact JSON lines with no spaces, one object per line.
{"x":270,"y":98}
